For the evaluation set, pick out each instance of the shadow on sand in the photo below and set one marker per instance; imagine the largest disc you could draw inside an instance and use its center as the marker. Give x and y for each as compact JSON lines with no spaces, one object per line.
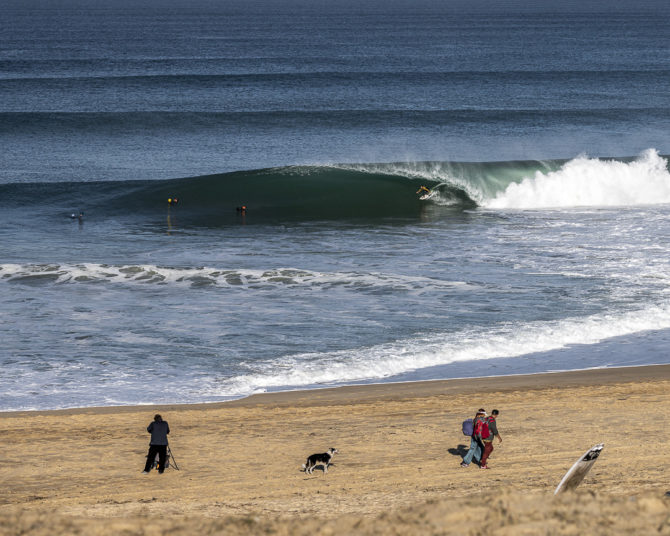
{"x":460,"y":450}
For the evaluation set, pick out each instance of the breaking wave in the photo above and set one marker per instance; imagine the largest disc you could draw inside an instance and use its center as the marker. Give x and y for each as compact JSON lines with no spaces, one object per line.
{"x":357,"y":190}
{"x":591,"y":182}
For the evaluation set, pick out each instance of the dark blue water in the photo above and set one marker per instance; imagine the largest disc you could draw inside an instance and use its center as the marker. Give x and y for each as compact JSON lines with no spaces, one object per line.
{"x":96,"y":91}
{"x":543,"y":131}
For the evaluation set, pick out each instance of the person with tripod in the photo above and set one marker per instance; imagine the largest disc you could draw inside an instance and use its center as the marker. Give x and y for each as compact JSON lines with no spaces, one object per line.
{"x":159,"y":431}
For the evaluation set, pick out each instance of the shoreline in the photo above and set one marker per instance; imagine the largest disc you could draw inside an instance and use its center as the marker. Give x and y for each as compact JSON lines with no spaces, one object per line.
{"x":360,"y":393}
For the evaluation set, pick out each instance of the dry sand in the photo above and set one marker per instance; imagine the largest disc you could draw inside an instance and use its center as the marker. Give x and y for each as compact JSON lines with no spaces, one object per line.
{"x":398,"y":472}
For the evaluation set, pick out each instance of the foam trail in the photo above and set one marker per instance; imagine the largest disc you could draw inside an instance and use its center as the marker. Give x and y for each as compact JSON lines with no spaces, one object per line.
{"x":388,"y":360}
{"x":146,"y":274}
{"x":591,"y":182}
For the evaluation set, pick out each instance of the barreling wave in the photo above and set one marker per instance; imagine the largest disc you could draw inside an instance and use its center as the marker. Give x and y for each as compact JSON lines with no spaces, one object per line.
{"x":360,"y":190}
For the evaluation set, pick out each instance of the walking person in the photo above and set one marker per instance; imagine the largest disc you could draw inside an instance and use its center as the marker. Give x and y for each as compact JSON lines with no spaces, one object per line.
{"x":488,"y":442}
{"x":159,"y":431}
{"x":476,"y":445}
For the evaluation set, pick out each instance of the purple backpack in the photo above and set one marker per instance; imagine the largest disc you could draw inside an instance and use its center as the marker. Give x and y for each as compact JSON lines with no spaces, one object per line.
{"x":468,"y":427}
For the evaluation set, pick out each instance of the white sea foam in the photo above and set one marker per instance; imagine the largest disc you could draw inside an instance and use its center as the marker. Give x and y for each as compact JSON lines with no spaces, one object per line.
{"x":591,"y":182}
{"x":384,"y":361}
{"x":279,"y":277}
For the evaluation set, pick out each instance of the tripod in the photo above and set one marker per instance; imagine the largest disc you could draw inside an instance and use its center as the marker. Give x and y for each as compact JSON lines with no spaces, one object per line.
{"x":169,"y":457}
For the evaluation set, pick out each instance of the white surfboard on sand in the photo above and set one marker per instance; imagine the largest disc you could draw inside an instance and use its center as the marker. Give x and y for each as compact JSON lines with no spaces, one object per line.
{"x":578,"y":471}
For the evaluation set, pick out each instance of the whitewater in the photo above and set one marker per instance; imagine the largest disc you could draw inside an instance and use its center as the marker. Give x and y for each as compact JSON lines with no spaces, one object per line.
{"x":592,"y":182}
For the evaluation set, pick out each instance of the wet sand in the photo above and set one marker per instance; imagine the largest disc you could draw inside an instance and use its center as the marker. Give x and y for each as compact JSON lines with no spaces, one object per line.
{"x":398,"y":470}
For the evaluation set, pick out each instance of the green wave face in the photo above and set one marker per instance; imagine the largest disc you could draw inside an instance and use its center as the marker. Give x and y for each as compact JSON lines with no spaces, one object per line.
{"x":337,"y":192}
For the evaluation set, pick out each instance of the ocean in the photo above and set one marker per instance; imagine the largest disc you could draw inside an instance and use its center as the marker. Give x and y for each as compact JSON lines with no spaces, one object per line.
{"x":543,"y":132}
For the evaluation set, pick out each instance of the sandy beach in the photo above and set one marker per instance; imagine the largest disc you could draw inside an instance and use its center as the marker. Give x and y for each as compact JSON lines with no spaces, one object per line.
{"x":397,"y":472}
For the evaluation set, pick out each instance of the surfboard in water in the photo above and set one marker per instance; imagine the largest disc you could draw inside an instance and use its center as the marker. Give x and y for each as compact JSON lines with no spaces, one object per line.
{"x":578,"y":471}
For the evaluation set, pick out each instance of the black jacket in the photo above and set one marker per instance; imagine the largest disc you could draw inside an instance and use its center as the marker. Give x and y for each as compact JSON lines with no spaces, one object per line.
{"x":159,"y":431}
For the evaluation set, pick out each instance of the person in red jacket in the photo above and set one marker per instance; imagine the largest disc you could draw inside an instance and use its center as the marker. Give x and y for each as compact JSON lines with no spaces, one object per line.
{"x":476,"y":445}
{"x":488,"y":441}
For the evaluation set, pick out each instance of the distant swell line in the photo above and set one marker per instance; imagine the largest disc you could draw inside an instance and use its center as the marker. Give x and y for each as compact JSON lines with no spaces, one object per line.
{"x":82,"y":122}
{"x":334,"y":76}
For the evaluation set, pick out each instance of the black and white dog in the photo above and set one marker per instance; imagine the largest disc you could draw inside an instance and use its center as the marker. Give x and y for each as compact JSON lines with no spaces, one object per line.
{"x":323,"y":459}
